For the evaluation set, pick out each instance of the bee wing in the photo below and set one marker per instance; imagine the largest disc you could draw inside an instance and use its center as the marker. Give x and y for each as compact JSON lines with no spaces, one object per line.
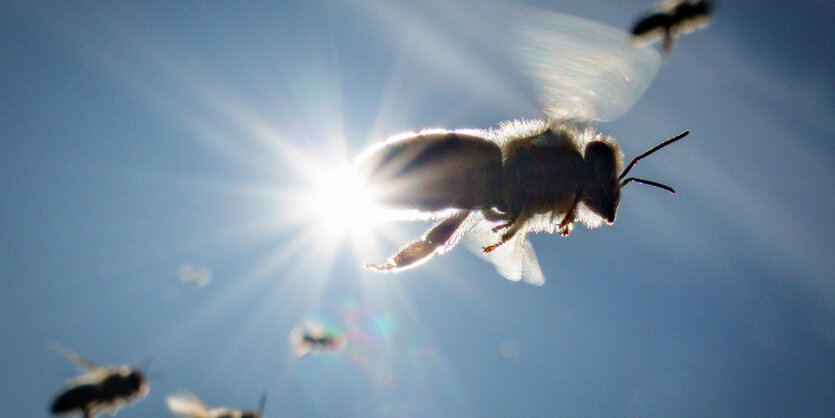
{"x":515,"y":260}
{"x":584,"y":70}
{"x":262,"y":403}
{"x":80,"y":362}
{"x":300,"y":345}
{"x":187,"y":405}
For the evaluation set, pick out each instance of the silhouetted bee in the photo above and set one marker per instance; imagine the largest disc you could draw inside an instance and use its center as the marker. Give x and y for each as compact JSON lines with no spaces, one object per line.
{"x":316,"y":338}
{"x":190,"y":406}
{"x":671,"y":19}
{"x":101,"y":389}
{"x":526,"y":175}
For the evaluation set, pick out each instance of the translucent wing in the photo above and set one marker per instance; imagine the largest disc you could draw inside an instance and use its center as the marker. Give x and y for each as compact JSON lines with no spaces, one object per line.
{"x":584,"y":70}
{"x":515,"y":260}
{"x":80,"y":362}
{"x":187,"y":405}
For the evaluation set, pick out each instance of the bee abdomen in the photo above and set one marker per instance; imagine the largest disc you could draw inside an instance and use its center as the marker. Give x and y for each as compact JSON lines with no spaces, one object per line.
{"x":436,"y":171}
{"x":75,"y":399}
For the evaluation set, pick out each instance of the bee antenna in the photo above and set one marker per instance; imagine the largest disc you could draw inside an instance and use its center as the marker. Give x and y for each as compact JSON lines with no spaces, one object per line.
{"x":261,"y":403}
{"x":650,"y":151}
{"x":146,"y":364}
{"x":648,"y":183}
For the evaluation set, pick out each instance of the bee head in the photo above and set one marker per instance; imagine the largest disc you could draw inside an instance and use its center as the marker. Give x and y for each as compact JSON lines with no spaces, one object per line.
{"x":602,"y":192}
{"x":135,"y":381}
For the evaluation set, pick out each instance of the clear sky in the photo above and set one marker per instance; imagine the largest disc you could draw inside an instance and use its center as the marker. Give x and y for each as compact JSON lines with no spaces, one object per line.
{"x":135,"y":139}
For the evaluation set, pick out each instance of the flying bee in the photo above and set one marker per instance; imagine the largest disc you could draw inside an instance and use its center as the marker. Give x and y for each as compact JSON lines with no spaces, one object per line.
{"x":671,"y":19}
{"x":525,"y":176}
{"x":190,"y":406}
{"x":100,"y":389}
{"x":314,"y":337}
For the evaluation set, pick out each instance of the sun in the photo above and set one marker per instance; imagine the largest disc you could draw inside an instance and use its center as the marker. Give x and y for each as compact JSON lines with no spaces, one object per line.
{"x":340,"y":202}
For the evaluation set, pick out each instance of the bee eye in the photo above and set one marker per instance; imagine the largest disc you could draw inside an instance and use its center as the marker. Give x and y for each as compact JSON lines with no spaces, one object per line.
{"x":601,"y":159}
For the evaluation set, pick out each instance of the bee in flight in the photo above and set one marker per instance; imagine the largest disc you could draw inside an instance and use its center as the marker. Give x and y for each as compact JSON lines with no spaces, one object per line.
{"x":525,"y":176}
{"x":100,"y":389}
{"x":671,"y":19}
{"x":315,"y":337}
{"x":190,"y":406}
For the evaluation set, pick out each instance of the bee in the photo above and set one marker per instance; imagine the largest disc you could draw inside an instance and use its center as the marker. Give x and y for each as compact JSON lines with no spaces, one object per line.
{"x":525,"y":176}
{"x":100,"y":389}
{"x":672,"y":18}
{"x":190,"y":406}
{"x":314,"y":337}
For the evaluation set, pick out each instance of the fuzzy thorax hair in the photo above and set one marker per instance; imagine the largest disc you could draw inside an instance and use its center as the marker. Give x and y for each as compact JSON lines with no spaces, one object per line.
{"x":514,"y":130}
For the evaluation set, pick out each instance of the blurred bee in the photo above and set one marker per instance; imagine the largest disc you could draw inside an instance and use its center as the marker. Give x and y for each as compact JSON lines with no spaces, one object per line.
{"x":672,"y":18}
{"x":314,"y":337}
{"x":526,"y":175}
{"x":101,"y":389}
{"x":190,"y":406}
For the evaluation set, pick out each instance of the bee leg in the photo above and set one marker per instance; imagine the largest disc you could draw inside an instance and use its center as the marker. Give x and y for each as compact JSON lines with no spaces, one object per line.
{"x":498,"y":228}
{"x":488,"y":249}
{"x":493,"y":215}
{"x":420,"y":250}
{"x":567,"y":223}
{"x":667,"y":43}
{"x":513,"y":227}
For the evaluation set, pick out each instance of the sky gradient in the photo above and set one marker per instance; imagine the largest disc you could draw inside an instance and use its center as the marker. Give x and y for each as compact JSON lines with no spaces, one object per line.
{"x":135,"y":139}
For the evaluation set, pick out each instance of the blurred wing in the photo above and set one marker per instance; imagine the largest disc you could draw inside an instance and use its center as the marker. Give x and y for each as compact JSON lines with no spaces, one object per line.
{"x":300,"y":345}
{"x":80,"y":362}
{"x":514,"y":260}
{"x":262,"y":403}
{"x":584,"y":70}
{"x":187,"y":405}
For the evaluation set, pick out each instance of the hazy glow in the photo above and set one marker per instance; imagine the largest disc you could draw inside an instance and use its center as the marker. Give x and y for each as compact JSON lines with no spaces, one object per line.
{"x":340,"y":201}
{"x":196,"y":276}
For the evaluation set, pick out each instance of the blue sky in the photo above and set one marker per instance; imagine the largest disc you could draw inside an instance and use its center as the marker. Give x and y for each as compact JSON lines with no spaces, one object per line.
{"x":138,"y":138}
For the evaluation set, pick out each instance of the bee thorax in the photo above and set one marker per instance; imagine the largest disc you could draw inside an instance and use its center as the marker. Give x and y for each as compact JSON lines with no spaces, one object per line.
{"x":543,"y":173}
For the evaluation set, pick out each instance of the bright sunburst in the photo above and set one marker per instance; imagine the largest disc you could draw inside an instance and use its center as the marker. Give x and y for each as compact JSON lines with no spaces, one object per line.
{"x":301,"y":205}
{"x":339,"y":201}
